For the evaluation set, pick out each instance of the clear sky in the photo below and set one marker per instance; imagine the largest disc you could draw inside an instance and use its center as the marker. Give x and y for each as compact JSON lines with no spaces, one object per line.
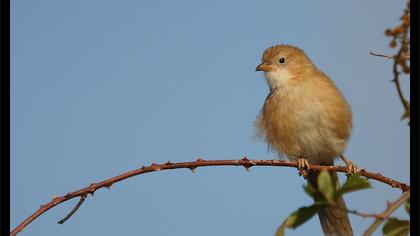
{"x":102,"y":87}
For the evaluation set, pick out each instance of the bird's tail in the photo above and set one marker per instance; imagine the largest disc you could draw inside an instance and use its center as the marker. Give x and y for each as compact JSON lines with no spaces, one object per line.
{"x":334,"y":221}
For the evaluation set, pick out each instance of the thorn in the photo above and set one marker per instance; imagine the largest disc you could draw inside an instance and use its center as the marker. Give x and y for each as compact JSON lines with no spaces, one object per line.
{"x":247,"y":166}
{"x":199,"y":159}
{"x":192,"y":169}
{"x":108,"y":187}
{"x":155,"y":166}
{"x":92,"y":189}
{"x":168,"y":163}
{"x":143,"y":167}
{"x":41,"y":206}
{"x":92,"y":186}
{"x":245,"y":158}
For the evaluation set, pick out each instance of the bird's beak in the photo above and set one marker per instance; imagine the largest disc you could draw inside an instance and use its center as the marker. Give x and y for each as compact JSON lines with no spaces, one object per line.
{"x":264,"y":67}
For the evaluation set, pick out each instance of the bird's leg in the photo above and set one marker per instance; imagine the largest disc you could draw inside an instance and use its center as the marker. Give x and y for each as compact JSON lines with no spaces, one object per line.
{"x":350,"y":166}
{"x":303,"y":167}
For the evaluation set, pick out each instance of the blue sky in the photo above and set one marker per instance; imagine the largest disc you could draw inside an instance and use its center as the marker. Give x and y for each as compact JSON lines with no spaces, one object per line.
{"x":102,"y":87}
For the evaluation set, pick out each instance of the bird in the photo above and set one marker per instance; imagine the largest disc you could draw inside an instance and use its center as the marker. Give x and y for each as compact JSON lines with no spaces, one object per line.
{"x":306,"y":118}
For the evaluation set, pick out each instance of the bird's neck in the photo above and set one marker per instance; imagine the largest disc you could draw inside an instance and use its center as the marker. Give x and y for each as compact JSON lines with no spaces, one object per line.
{"x":278,"y":78}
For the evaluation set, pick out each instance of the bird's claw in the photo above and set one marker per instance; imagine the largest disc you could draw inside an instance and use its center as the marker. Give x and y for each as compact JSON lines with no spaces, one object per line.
{"x":351,"y":168}
{"x":303,"y":167}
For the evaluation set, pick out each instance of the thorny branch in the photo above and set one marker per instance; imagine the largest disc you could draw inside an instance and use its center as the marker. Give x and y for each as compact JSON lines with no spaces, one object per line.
{"x":245,"y":162}
{"x":390,"y":208}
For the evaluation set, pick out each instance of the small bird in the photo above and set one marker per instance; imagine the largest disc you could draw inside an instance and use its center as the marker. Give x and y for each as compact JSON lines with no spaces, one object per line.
{"x":306,"y":118}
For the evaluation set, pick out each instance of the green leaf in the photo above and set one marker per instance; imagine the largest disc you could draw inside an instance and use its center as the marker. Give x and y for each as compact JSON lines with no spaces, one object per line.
{"x":300,"y":216}
{"x":396,"y":227}
{"x":325,"y":185}
{"x":314,"y":193}
{"x":353,"y":183}
{"x":407,"y":206}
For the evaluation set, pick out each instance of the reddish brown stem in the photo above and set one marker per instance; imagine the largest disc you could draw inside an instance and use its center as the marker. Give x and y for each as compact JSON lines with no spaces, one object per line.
{"x":192,"y":166}
{"x":396,"y":80}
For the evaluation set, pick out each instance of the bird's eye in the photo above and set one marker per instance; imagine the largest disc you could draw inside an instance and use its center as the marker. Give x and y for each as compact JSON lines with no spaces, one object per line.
{"x":281,"y":60}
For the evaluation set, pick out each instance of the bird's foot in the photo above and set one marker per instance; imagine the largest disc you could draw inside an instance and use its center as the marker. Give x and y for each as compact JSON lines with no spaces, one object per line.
{"x":351,"y":168}
{"x":303,"y":167}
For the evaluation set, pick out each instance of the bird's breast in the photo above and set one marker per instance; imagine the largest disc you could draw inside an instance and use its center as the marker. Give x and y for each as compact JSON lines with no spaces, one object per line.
{"x":299,"y":125}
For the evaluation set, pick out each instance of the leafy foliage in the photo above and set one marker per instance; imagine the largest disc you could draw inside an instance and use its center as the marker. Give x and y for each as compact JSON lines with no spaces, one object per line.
{"x":315,"y":194}
{"x":325,"y":196}
{"x":353,"y":183}
{"x":396,"y":227}
{"x":300,"y":216}
{"x":326,"y":186}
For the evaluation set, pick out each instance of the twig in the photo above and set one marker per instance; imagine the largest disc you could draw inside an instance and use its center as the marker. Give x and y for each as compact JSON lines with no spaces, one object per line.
{"x":82,"y":199}
{"x":397,"y":58}
{"x":365,"y":215}
{"x":387,"y":57}
{"x":396,"y":80}
{"x":245,"y":162}
{"x":362,"y":214}
{"x":390,"y":208}
{"x":381,"y":55}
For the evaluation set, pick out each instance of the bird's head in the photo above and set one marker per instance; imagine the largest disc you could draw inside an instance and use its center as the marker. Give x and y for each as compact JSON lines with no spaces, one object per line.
{"x":283,"y":63}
